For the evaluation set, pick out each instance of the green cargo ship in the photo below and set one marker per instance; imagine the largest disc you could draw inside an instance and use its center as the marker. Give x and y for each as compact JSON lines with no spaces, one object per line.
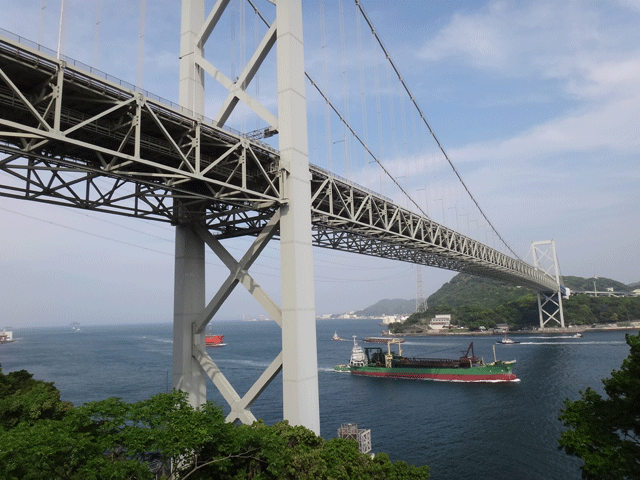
{"x":372,"y":362}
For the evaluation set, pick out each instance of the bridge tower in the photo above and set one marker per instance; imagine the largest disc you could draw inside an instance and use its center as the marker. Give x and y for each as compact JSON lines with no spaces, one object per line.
{"x":291,"y":221}
{"x":549,"y":303}
{"x":421,"y":302}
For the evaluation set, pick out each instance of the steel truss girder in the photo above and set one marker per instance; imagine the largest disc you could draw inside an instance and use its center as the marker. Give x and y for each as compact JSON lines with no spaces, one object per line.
{"x":75,"y":139}
{"x":238,"y":273}
{"x":237,"y":90}
{"x":350,"y":218}
{"x":58,"y":119}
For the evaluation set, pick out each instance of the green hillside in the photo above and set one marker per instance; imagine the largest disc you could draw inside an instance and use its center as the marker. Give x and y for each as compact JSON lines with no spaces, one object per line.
{"x":601,"y":284}
{"x":397,"y":306}
{"x":476,"y":302}
{"x":466,"y":289}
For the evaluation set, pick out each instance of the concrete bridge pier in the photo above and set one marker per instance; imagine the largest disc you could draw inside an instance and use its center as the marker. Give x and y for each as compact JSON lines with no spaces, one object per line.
{"x":189,"y":302}
{"x":298,"y":359}
{"x":299,"y":350}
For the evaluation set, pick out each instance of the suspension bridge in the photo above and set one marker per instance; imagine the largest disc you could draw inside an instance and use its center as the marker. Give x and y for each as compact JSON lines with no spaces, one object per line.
{"x":76,"y":137}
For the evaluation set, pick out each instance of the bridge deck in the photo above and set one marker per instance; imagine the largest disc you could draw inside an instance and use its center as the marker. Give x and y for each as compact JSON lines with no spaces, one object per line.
{"x":76,"y":139}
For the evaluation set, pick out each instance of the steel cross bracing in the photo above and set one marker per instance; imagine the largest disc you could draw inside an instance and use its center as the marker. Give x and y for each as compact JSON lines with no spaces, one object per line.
{"x":353,"y":219}
{"x":76,"y":139}
{"x":73,"y":138}
{"x":549,"y":303}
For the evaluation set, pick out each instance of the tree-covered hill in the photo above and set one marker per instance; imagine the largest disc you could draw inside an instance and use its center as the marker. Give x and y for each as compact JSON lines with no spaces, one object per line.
{"x":522,"y":313}
{"x":461,"y":290}
{"x":476,"y":302}
{"x":465,"y":290}
{"x":587,"y":284}
{"x":397,"y":306}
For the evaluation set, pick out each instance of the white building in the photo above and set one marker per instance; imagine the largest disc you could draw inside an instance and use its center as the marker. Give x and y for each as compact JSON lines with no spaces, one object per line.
{"x":387,"y":319}
{"x":440,"y":321}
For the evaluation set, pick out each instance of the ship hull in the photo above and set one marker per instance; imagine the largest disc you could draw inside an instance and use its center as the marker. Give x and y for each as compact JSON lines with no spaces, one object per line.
{"x":214,"y":340}
{"x":486,"y":373}
{"x":384,"y":340}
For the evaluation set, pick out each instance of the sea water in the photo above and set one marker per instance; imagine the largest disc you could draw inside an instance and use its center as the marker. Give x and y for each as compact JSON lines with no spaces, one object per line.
{"x":461,"y":430}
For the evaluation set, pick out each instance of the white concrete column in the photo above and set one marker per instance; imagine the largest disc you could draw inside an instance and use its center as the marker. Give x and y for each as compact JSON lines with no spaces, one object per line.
{"x":189,"y":287}
{"x":299,"y":351}
{"x":191,"y":77}
{"x":189,"y":303}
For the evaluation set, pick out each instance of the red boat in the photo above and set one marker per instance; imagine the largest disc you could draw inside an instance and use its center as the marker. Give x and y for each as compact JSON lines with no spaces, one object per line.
{"x":214,"y":340}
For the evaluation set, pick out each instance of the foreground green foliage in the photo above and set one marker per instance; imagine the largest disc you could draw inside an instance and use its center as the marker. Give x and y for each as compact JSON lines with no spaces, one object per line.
{"x":605,"y":432}
{"x":164,"y":437}
{"x":23,"y":399}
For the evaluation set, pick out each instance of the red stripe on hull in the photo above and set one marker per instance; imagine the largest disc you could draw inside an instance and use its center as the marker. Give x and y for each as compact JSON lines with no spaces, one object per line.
{"x":440,"y":376}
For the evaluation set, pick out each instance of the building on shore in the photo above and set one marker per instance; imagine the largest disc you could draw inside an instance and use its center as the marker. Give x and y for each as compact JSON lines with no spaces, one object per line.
{"x":388,"y":319}
{"x":440,"y":322}
{"x":501,"y":328}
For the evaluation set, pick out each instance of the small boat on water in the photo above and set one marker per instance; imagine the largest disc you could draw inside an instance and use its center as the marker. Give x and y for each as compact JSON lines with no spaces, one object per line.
{"x":358,"y":358}
{"x":506,"y":340}
{"x":211,"y":340}
{"x":336,"y":337}
{"x":214,"y":341}
{"x":374,"y":363}
{"x":6,"y":336}
{"x":577,"y":335}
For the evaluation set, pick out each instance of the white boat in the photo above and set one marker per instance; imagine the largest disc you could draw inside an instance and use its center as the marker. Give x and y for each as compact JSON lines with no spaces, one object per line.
{"x":506,"y":340}
{"x":336,"y":337}
{"x":6,"y":336}
{"x":577,"y":335}
{"x":358,"y":358}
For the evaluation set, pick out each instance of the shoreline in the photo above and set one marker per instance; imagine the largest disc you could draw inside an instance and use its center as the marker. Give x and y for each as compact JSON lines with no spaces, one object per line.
{"x":545,"y":331}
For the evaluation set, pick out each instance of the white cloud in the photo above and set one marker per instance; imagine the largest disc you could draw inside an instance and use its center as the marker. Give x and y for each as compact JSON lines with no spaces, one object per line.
{"x":572,"y":42}
{"x":613,"y":126}
{"x":631,"y":4}
{"x":567,"y":171}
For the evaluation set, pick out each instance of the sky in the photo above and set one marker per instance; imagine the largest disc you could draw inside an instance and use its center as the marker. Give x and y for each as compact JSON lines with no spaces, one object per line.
{"x":536,"y":104}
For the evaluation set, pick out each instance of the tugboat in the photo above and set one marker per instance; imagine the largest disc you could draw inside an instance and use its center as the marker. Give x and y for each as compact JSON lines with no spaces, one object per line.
{"x":358,"y":358}
{"x":336,"y":337}
{"x":468,"y":368}
{"x":506,"y":340}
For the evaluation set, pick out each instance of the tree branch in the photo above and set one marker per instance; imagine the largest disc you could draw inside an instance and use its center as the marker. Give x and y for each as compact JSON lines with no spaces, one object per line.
{"x":210,"y":462}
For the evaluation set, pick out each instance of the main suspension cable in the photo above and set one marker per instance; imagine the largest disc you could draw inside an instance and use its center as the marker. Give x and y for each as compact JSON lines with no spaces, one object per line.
{"x":415,"y":103}
{"x":342,"y":119}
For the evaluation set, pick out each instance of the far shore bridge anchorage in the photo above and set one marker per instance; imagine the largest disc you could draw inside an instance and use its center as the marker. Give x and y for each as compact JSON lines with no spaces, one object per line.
{"x":75,"y":137}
